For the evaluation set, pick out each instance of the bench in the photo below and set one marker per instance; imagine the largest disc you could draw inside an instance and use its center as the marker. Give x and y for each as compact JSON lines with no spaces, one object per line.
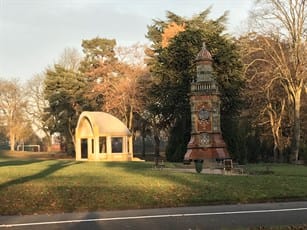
{"x":158,"y":164}
{"x":228,"y":165}
{"x":238,"y":168}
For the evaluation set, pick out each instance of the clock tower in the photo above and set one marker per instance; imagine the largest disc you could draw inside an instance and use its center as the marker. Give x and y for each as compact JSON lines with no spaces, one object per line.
{"x":206,"y":138}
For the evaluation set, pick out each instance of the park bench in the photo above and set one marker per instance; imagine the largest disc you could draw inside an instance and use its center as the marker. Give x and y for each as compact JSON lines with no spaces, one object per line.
{"x":228,"y":166}
{"x":239,"y":169}
{"x":158,"y":164}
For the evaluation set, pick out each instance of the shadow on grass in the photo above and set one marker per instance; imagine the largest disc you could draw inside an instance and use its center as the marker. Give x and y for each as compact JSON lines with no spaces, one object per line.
{"x":146,"y":169}
{"x":130,"y":166}
{"x":44,"y":173}
{"x":18,"y":162}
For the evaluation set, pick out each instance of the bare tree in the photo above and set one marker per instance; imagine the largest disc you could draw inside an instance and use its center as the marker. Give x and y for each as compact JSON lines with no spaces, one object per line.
{"x":132,"y":55}
{"x":117,"y":82}
{"x":119,"y":89}
{"x":37,"y":105}
{"x":264,"y":93}
{"x":70,"y":59}
{"x":12,"y":107}
{"x":284,"y":23}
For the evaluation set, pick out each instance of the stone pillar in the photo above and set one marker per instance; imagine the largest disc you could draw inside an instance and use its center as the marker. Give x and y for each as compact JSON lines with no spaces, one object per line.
{"x":109,"y":148}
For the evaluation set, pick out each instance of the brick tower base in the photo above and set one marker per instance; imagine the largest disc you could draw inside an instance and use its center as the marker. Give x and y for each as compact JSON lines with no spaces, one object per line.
{"x":216,"y":151}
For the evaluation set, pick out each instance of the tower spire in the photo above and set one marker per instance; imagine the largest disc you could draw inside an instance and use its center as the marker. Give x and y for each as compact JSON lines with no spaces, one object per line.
{"x":204,"y":54}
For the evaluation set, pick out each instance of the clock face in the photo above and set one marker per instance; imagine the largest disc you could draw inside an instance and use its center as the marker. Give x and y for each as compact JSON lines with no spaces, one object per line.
{"x":203,"y":115}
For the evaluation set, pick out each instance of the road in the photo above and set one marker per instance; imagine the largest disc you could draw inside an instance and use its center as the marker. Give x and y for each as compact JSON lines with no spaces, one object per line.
{"x":188,"y":218}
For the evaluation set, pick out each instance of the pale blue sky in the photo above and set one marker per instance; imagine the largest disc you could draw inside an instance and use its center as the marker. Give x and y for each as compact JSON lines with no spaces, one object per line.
{"x":33,"y":33}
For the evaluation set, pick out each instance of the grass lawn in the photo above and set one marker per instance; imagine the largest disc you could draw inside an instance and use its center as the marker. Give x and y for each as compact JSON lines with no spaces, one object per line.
{"x":29,"y":186}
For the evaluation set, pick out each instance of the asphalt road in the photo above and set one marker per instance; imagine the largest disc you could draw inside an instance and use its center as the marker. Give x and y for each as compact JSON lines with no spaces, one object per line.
{"x":188,"y":218}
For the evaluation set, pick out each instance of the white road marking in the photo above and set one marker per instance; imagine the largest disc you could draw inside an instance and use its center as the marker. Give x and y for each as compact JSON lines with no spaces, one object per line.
{"x":151,"y":217}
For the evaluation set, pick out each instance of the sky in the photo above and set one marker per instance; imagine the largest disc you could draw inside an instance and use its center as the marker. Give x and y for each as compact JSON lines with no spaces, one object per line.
{"x":34,"y":33}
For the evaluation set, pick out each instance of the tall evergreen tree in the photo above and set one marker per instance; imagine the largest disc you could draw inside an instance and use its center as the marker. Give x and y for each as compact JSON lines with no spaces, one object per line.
{"x":64,"y":90}
{"x":97,"y":51}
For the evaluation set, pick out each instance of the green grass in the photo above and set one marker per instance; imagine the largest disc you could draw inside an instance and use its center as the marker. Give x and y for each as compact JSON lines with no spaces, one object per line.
{"x":29,"y":186}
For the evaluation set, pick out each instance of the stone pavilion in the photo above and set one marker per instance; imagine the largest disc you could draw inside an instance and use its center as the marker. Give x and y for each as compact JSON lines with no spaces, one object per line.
{"x":102,"y":137}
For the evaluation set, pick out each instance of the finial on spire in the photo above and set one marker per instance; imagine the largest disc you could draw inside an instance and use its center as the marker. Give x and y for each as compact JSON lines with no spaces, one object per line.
{"x":204,"y":45}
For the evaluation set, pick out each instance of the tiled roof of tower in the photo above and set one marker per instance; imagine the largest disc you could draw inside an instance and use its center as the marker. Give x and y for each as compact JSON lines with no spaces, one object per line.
{"x":204,"y":54}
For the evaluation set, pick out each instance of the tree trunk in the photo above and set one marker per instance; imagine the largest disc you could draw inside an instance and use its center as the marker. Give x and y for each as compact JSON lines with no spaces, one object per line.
{"x":157,"y":142}
{"x":143,"y":145}
{"x":274,"y":129}
{"x":275,"y":122}
{"x":130,"y":123}
{"x":71,"y":132}
{"x":49,"y":143}
{"x":12,"y":141}
{"x":296,"y":126}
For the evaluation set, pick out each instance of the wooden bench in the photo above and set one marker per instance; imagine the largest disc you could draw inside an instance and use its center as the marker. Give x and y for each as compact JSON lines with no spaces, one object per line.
{"x":238,"y":168}
{"x":158,"y":164}
{"x":229,"y":166}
